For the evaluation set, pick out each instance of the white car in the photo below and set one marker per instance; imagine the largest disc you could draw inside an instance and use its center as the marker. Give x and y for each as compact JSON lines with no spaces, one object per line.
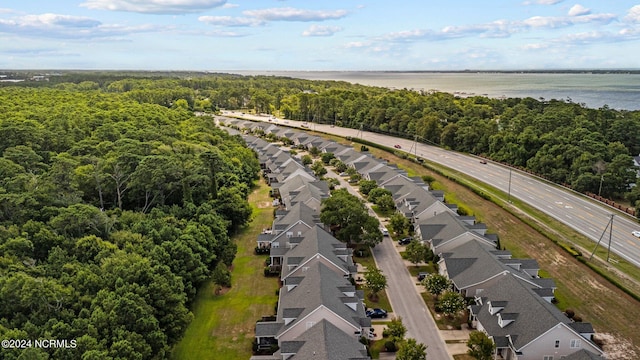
{"x":636,"y":233}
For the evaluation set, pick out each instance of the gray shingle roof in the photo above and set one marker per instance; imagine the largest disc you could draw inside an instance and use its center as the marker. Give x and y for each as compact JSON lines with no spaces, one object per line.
{"x":268,"y":328}
{"x":321,"y":286}
{"x":298,"y":213}
{"x":582,"y":327}
{"x":582,"y":355}
{"x":444,"y":225}
{"x":318,"y":242}
{"x":471,"y":263}
{"x":324,"y":341}
{"x":535,"y":316}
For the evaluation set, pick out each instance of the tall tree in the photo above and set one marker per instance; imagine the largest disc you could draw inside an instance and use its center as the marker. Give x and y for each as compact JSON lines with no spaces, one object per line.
{"x":375,"y":281}
{"x":349,"y":218}
{"x":411,"y":350}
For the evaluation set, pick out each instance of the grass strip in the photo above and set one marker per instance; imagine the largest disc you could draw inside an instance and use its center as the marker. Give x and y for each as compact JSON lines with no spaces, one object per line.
{"x":223,"y":325}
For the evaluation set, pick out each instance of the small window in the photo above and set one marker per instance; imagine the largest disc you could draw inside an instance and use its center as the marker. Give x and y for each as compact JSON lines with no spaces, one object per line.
{"x":548,"y":357}
{"x":557,"y":343}
{"x":575,"y":343}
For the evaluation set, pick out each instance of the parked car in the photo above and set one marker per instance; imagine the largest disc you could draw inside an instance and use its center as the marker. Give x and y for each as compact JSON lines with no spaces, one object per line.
{"x":422,"y":275}
{"x":483,"y":161}
{"x":636,"y":233}
{"x":405,"y":241}
{"x":397,"y":146}
{"x":376,"y":313}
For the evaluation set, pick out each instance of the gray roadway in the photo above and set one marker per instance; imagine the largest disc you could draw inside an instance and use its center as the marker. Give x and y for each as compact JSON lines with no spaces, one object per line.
{"x":584,"y":215}
{"x":403,"y":295}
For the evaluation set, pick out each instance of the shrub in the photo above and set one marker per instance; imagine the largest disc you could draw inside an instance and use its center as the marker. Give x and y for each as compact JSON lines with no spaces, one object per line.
{"x":390,"y":346}
{"x":570,"y":313}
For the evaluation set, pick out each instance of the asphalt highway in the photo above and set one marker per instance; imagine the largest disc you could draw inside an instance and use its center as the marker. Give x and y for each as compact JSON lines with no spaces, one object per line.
{"x":584,"y":215}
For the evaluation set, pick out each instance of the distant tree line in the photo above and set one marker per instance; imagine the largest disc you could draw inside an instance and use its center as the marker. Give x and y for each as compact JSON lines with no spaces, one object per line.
{"x":589,"y":149}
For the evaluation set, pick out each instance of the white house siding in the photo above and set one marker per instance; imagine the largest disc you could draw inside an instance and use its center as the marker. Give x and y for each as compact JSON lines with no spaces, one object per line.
{"x":545,"y":344}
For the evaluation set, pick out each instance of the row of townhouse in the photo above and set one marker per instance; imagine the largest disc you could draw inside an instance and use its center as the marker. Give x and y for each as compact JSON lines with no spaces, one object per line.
{"x":320,"y":313}
{"x":512,"y":304}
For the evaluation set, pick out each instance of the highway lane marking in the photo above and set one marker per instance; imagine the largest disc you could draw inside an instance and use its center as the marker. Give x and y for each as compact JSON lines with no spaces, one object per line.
{"x":617,"y":243}
{"x":592,"y":229}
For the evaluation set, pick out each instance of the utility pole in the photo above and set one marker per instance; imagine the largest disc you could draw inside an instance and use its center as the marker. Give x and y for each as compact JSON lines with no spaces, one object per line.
{"x":610,"y":226}
{"x":610,"y":236}
{"x":509,"y":191}
{"x":415,"y":146}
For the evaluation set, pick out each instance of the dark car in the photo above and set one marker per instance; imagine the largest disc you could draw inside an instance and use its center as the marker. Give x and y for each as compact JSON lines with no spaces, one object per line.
{"x":376,"y":313}
{"x":405,"y":241}
{"x":483,"y":161}
{"x":422,"y":275}
{"x":397,"y":146}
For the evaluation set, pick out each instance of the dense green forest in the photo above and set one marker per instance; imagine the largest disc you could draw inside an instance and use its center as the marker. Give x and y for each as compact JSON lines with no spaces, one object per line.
{"x":588,"y":149}
{"x":113,"y":211}
{"x":116,"y":202}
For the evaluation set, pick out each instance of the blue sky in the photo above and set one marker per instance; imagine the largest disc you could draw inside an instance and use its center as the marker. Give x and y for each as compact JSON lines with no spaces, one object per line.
{"x":222,"y":35}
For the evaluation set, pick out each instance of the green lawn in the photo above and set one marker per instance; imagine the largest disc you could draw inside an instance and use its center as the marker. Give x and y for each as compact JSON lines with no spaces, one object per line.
{"x":223,"y":325}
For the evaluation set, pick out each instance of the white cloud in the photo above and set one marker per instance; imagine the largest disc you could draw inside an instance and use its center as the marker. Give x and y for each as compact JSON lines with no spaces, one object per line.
{"x":293,"y":14}
{"x":320,"y":30}
{"x":537,"y":46}
{"x":154,"y":6}
{"x":67,"y":27}
{"x":356,"y":45}
{"x":546,"y":22}
{"x":55,"y":20}
{"x":230,"y":6}
{"x":578,"y":10}
{"x":408,"y":35}
{"x":222,"y":33}
{"x":633,"y":15}
{"x":231,"y":21}
{"x":499,"y":28}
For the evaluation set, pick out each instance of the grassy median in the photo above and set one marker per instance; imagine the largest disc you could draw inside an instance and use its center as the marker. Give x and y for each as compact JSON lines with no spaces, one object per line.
{"x":223,"y":325}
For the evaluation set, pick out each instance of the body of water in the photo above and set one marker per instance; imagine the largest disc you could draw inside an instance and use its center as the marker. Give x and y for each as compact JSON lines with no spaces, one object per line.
{"x":616,"y":90}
